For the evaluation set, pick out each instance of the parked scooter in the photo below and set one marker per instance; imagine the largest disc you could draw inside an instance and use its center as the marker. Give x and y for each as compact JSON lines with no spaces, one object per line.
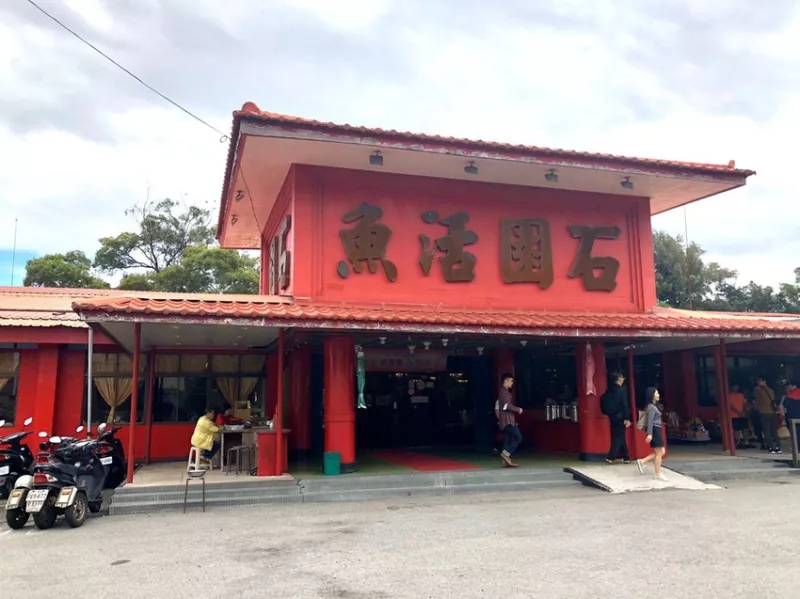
{"x":65,"y":480}
{"x":112,"y":456}
{"x":16,"y":459}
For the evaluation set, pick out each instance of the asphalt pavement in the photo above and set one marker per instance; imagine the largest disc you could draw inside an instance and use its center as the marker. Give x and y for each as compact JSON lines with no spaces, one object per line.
{"x":573,"y":543}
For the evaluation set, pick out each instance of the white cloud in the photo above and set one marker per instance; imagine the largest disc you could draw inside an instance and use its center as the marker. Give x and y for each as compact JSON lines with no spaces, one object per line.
{"x":598,"y":78}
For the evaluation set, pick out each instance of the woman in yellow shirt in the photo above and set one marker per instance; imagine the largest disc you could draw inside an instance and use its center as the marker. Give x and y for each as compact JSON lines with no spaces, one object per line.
{"x":203,"y":436}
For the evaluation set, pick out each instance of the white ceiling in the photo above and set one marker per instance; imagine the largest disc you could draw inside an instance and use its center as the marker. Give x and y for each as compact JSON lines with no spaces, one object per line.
{"x":191,"y":336}
{"x":269,"y":152}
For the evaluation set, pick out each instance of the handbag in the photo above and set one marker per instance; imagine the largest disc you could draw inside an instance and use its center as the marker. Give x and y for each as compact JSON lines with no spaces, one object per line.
{"x":641,"y":424}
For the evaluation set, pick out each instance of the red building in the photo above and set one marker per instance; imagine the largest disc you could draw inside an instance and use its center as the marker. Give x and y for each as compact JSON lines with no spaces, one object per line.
{"x":445,"y":262}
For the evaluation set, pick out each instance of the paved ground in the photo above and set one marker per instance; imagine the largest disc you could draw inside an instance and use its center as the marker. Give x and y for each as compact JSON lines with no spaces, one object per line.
{"x":572,"y":543}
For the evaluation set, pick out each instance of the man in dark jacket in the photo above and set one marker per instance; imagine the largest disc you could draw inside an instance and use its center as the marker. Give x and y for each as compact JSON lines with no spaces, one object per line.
{"x":616,"y":407}
{"x":506,"y":412}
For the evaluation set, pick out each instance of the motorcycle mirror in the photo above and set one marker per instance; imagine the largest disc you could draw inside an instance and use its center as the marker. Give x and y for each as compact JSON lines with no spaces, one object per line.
{"x":2,"y":422}
{"x":28,"y":422}
{"x":79,"y":429}
{"x":102,"y":427}
{"x":43,"y":435}
{"x":55,"y":439}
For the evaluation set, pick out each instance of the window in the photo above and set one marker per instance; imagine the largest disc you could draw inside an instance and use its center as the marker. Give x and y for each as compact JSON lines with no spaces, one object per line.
{"x":111,"y":388}
{"x":541,"y":377}
{"x":9,"y":379}
{"x":188,"y":384}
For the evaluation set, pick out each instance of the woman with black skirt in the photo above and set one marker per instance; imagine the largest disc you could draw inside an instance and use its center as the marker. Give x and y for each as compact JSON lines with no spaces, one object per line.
{"x":655,"y":434}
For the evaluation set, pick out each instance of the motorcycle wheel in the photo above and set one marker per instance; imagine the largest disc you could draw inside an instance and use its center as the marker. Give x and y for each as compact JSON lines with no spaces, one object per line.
{"x":75,"y":515}
{"x":46,"y":518}
{"x":17,"y":518}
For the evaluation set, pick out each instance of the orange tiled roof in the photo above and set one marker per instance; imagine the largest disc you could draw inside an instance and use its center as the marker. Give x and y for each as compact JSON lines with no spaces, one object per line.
{"x":333,"y":315}
{"x":251,"y":111}
{"x":44,"y":306}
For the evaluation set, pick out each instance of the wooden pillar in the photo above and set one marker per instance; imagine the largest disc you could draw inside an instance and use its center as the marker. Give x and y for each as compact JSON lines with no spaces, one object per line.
{"x":279,"y":439}
{"x":339,"y":400}
{"x":137,"y":349}
{"x":722,"y":397}
{"x":594,"y":430}
{"x":148,"y":406}
{"x":300,"y":404}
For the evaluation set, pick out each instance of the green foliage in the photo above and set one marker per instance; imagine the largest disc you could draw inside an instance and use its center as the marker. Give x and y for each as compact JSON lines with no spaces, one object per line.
{"x":169,"y":250}
{"x":71,"y":270}
{"x":684,"y":280}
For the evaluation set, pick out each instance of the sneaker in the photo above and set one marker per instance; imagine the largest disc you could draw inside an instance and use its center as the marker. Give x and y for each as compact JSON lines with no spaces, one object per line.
{"x":661,"y":477}
{"x":626,"y":461}
{"x":640,"y":466}
{"x":612,"y":462}
{"x":778,"y":451}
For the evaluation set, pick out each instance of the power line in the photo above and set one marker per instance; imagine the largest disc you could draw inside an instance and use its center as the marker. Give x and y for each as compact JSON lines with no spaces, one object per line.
{"x":224,"y":136}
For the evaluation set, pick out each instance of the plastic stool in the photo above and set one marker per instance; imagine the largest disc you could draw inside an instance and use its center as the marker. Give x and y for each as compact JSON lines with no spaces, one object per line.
{"x":194,"y":475}
{"x":195,"y":453}
{"x":240,"y":451}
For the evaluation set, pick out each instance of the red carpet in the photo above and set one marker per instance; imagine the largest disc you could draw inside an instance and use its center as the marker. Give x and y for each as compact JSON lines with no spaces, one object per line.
{"x":420,"y":461}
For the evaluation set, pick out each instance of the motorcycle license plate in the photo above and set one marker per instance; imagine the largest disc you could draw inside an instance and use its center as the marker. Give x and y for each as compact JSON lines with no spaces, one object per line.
{"x":106,"y":461}
{"x":35,"y":500}
{"x":4,"y":470}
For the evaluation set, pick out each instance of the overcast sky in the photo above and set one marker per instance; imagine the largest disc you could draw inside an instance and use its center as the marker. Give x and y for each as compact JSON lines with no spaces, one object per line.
{"x":698,"y":80}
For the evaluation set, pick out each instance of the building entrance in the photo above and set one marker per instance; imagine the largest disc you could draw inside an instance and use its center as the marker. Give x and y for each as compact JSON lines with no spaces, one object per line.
{"x":421,"y":409}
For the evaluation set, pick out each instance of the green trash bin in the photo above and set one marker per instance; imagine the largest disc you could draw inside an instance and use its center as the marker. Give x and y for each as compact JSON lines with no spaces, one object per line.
{"x":332,"y":463}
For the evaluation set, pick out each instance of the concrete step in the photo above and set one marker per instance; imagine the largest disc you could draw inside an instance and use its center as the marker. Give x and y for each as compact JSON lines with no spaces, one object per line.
{"x":735,"y":469}
{"x":138,"y":500}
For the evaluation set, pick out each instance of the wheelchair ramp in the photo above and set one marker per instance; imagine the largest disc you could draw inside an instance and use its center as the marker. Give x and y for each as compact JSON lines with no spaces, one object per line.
{"x":625,"y":478}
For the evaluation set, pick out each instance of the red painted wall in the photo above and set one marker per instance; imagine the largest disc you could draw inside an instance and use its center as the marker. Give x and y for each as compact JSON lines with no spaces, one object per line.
{"x":284,"y":205}
{"x":70,"y":392}
{"x":322,"y":196}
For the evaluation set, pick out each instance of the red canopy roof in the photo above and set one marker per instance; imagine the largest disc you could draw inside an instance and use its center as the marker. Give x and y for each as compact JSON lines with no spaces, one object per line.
{"x":209,"y":308}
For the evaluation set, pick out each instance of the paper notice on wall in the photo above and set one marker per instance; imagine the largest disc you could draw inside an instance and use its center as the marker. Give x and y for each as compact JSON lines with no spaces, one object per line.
{"x":588,"y":367}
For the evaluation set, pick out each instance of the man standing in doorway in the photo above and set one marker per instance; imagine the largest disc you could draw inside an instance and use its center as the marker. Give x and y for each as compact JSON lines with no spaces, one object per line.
{"x":506,"y":412}
{"x":764,"y":398}
{"x":739,"y":417}
{"x":614,"y":404}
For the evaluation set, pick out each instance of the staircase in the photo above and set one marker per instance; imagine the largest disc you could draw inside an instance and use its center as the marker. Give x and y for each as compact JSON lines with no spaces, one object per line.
{"x":354,"y":487}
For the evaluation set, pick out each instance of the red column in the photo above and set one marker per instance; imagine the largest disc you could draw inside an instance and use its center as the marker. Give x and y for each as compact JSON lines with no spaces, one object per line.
{"x":595,"y":434}
{"x":271,"y":400}
{"x":279,"y":438}
{"x":44,"y":407}
{"x":726,"y":425}
{"x":137,"y":349}
{"x":632,"y":437}
{"x":340,"y":397}
{"x":300,"y":404}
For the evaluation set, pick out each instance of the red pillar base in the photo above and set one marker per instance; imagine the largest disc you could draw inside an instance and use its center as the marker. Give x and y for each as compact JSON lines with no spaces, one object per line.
{"x":340,"y":414}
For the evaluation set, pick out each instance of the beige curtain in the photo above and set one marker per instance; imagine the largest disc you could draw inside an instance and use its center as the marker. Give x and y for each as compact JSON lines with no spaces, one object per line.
{"x":114,"y":389}
{"x":227,"y":385}
{"x":9,"y":363}
{"x":194,"y":363}
{"x":250,"y":365}
{"x":167,"y":363}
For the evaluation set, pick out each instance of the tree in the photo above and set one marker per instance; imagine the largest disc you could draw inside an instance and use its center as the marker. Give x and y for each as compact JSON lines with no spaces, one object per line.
{"x":683,"y":280}
{"x":201,"y":269}
{"x":713,"y":287}
{"x":163,"y":234}
{"x":70,"y":270}
{"x":169,"y":250}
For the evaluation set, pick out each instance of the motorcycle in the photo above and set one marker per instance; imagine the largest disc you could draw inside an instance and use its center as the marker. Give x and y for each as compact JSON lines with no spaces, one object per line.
{"x":15,"y":460}
{"x":60,"y":484}
{"x":112,"y":456}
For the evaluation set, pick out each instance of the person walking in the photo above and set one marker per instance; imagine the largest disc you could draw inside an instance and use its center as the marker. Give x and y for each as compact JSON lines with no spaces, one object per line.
{"x":614,"y":404}
{"x":764,"y":399}
{"x":506,"y":412}
{"x":655,"y":435}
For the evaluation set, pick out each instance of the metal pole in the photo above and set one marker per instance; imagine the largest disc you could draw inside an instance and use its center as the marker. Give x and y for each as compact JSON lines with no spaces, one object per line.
{"x":89,"y":358}
{"x":137,"y":349}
